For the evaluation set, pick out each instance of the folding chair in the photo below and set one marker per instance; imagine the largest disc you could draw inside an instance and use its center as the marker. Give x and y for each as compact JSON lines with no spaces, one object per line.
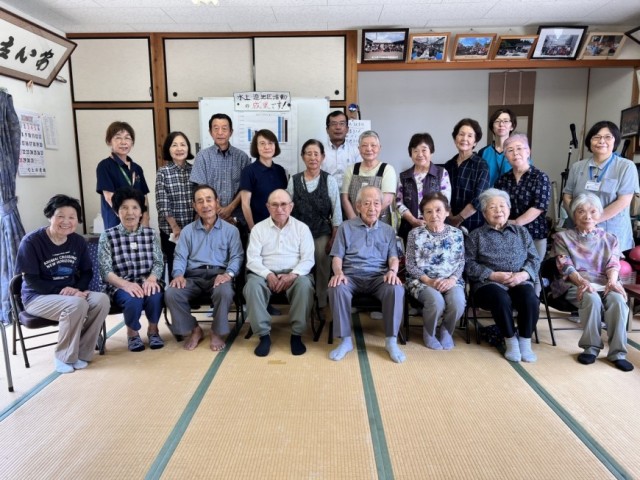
{"x":20,"y":319}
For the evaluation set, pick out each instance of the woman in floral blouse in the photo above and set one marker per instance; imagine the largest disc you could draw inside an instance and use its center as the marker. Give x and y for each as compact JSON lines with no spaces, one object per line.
{"x":435,"y":261}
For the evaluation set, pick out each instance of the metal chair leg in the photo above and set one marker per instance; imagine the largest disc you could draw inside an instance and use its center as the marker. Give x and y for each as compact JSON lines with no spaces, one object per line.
{"x":5,"y":349}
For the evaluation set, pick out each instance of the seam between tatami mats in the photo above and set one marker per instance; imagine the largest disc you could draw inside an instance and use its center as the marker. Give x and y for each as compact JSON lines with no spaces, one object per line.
{"x":42,"y":384}
{"x":380,"y":448}
{"x":173,"y":440}
{"x":591,"y":443}
{"x":633,"y":343}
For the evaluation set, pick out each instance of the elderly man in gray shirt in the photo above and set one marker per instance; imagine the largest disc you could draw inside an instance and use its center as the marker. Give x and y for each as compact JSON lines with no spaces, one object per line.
{"x":365,"y":260}
{"x":207,"y":258}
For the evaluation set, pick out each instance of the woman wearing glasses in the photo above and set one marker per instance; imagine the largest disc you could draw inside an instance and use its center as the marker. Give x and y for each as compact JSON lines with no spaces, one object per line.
{"x":610,"y":177}
{"x":502,"y":122}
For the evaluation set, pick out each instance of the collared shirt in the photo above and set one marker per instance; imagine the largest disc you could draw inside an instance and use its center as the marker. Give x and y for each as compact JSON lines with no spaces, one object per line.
{"x":468,"y":181}
{"x":111,"y":174}
{"x":389,"y":178}
{"x":272,"y":249}
{"x":621,"y":178}
{"x":488,"y":250}
{"x":533,"y":191}
{"x":174,"y":196}
{"x":221,"y":170}
{"x":219,"y":247}
{"x":337,"y":159}
{"x":365,"y":251}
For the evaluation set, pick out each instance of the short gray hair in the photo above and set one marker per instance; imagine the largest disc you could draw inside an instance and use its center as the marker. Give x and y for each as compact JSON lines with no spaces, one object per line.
{"x":585,"y":199}
{"x":366,"y":134}
{"x":490,"y":193}
{"x":516,"y":137}
{"x":368,"y":187}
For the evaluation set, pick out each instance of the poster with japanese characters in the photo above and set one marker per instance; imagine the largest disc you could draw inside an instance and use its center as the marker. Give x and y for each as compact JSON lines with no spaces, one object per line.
{"x":31,"y":162}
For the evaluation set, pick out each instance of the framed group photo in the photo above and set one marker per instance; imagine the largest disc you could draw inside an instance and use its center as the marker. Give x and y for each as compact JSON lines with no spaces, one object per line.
{"x":428,"y":47}
{"x":473,"y":46}
{"x":558,"y":43}
{"x":514,"y":47}
{"x":388,"y":45}
{"x":602,"y":46}
{"x":630,"y":122}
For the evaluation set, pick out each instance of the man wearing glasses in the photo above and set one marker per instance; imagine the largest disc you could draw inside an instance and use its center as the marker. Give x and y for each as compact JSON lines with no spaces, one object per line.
{"x":280,"y":257}
{"x":339,"y":154}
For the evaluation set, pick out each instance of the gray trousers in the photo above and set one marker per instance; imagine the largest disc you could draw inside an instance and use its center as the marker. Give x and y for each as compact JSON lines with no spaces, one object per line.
{"x":448,"y":305}
{"x":257,"y":294}
{"x":322,"y":269}
{"x":199,"y":282}
{"x":79,"y":322}
{"x":616,"y":314}
{"x":391,"y":297}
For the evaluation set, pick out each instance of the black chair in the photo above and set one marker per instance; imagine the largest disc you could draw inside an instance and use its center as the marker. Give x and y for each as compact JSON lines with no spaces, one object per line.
{"x":20,"y":319}
{"x":203,"y":305}
{"x":548,"y":273}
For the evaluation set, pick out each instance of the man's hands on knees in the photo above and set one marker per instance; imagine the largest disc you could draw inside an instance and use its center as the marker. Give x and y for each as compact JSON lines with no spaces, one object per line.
{"x":178,"y":282}
{"x":337,"y":279}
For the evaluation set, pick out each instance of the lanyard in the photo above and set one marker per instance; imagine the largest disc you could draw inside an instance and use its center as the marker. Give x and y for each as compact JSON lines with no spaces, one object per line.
{"x":604,"y":170}
{"x":130,"y":181}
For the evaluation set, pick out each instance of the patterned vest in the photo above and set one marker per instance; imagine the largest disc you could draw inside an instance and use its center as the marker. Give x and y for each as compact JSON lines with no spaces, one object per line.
{"x":132,"y":255}
{"x":313,"y":208}
{"x":430,"y":184}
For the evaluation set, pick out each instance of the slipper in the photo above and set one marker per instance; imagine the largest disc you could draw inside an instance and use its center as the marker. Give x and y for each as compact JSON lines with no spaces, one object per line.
{"x":155,"y":341}
{"x":135,"y":344}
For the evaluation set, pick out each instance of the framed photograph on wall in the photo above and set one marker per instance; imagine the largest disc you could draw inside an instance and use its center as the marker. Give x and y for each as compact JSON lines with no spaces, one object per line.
{"x":602,"y":46}
{"x":558,"y":43}
{"x":630,"y":122}
{"x":514,"y":47}
{"x":473,"y":46}
{"x":388,"y":45}
{"x":428,"y":47}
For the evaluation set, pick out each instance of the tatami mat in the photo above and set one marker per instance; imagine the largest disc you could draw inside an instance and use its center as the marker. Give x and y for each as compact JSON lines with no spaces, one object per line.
{"x":466,"y":413}
{"x":279,"y":417}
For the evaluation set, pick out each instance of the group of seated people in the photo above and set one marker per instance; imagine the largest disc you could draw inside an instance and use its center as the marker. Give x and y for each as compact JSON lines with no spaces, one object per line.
{"x":493,"y":238}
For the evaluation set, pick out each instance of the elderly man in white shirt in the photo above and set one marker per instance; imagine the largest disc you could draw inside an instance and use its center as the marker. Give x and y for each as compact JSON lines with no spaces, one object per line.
{"x":279,"y":259}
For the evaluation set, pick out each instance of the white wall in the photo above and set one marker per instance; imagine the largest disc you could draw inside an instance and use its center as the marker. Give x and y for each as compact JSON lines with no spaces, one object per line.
{"x":61,"y":164}
{"x":402,"y":103}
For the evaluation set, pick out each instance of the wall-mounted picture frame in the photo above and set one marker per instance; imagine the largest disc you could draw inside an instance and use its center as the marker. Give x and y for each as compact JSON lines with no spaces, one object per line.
{"x":602,"y":46}
{"x":428,"y":47}
{"x":514,"y":47}
{"x":473,"y":46}
{"x":387,"y":45}
{"x":630,"y":122}
{"x":634,"y":34}
{"x":558,"y":43}
{"x":30,"y":52}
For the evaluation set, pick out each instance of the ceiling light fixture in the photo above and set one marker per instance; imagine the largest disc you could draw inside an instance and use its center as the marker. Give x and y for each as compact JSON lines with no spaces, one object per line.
{"x":205,"y":2}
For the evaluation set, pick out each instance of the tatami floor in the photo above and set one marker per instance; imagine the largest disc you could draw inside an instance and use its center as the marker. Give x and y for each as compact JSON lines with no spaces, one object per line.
{"x":467,"y":413}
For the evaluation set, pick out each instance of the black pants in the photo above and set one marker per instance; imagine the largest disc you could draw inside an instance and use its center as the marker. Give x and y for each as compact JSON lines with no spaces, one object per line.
{"x":168,"y":248}
{"x":501,"y":303}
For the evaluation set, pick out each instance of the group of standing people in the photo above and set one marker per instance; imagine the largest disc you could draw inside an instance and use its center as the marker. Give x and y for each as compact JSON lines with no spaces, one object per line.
{"x":479,"y":217}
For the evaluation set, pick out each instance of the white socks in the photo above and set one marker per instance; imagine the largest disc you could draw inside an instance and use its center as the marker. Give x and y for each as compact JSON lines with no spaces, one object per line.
{"x":345,"y":347}
{"x":513,"y":349}
{"x":391,"y":346}
{"x":525,"y":350}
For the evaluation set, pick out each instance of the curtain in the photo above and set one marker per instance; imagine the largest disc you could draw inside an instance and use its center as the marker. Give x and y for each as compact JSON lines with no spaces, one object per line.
{"x":11,"y":229}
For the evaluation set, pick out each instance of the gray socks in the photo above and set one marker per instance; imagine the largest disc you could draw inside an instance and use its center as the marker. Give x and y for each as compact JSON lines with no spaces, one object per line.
{"x":345,"y":347}
{"x":525,"y":350}
{"x":513,"y":349}
{"x":391,"y":346}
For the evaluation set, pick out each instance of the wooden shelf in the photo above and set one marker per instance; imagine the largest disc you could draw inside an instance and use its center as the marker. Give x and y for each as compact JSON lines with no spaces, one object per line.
{"x":497,"y":65}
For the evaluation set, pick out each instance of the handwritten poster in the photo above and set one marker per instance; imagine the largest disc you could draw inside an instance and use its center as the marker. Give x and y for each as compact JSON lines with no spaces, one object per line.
{"x":31,"y":161}
{"x":262,"y":101}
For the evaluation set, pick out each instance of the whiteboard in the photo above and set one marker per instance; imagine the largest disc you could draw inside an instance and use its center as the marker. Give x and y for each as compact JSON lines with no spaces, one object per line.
{"x":306,"y":120}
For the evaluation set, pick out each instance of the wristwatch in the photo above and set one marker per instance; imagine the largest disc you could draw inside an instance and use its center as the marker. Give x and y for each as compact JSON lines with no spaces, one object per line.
{"x":230,"y":273}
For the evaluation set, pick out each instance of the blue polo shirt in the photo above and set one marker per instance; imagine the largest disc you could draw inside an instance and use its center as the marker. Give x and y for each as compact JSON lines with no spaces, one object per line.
{"x":261,"y":180}
{"x":112,"y":173}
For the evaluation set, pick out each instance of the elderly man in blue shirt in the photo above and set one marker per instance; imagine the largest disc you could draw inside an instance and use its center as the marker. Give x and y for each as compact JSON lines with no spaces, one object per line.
{"x":365,"y":260}
{"x":207,"y":258}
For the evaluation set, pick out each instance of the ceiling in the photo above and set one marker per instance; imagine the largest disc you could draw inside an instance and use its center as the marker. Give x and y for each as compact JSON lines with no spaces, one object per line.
{"x":519,"y":16}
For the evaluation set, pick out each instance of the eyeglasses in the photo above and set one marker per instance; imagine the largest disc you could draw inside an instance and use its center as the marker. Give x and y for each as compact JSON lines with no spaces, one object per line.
{"x":337,"y":124}
{"x":275,"y":206}
{"x":607,"y":138}
{"x":517,"y":150}
{"x":502,"y":122}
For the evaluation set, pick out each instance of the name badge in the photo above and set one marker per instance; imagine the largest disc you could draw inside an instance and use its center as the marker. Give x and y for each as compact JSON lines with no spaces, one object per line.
{"x":592,"y":186}
{"x":134,"y":245}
